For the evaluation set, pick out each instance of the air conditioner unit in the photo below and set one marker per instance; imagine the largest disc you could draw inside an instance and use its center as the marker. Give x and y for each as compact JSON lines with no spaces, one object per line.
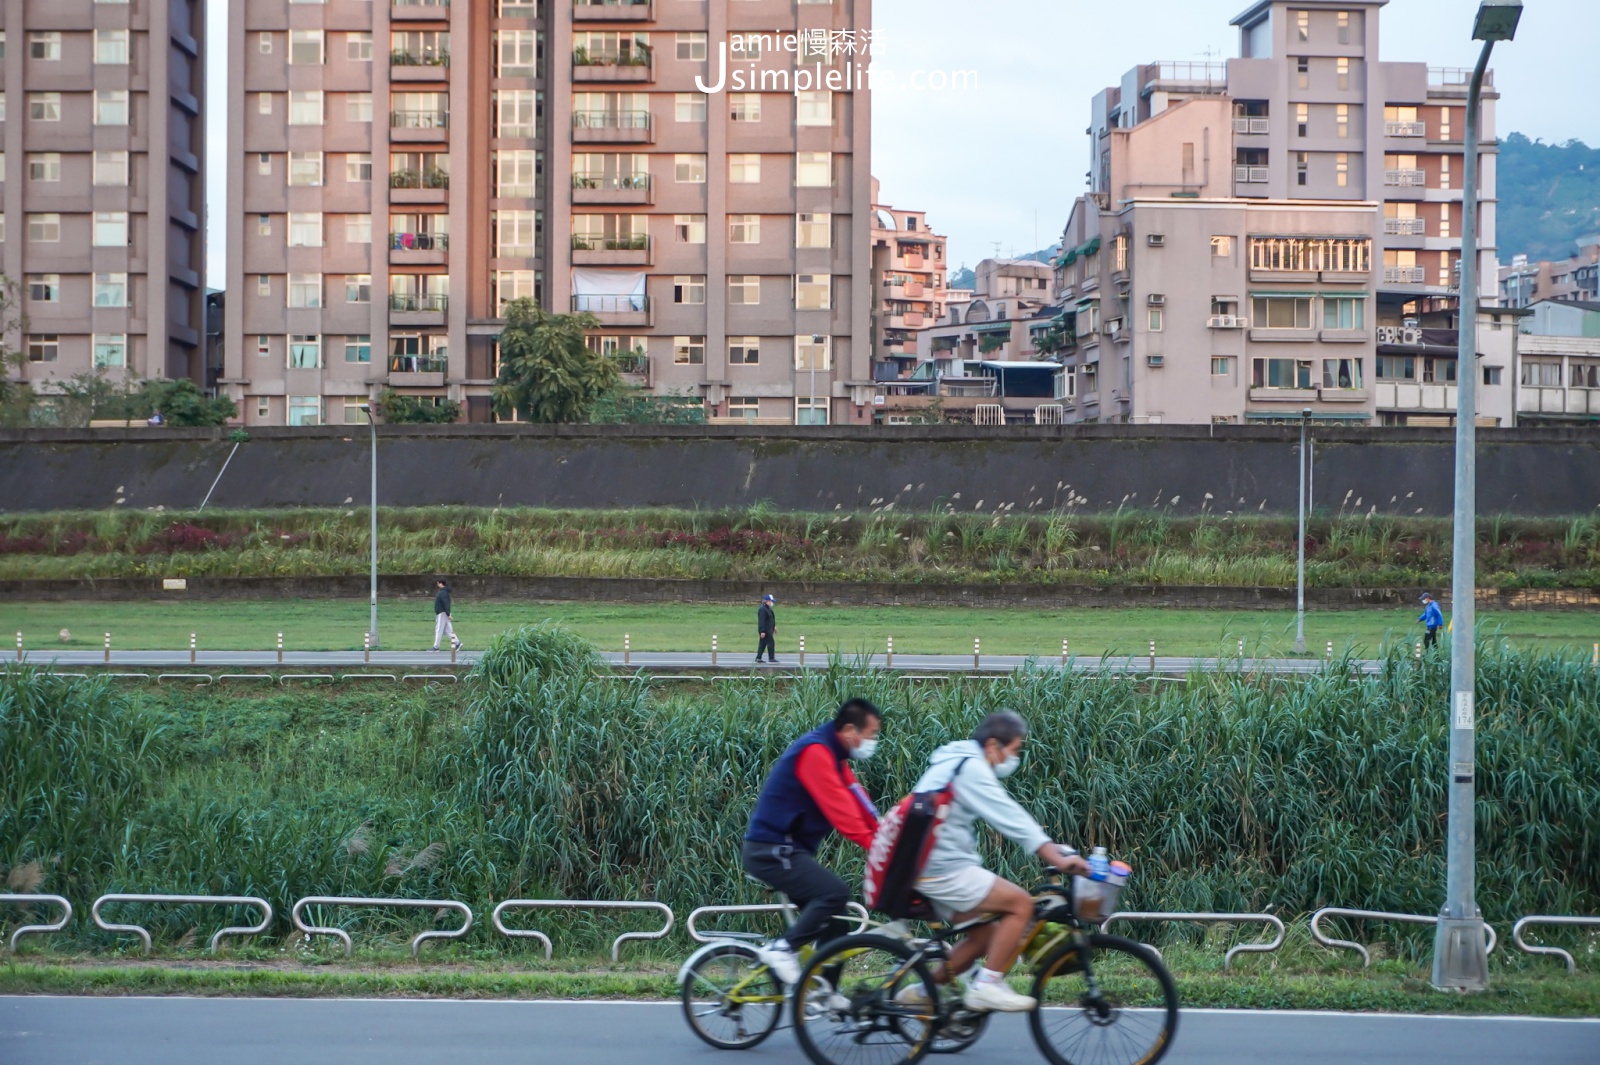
{"x":1156,"y":240}
{"x":1156,"y":361}
{"x":1157,"y":299}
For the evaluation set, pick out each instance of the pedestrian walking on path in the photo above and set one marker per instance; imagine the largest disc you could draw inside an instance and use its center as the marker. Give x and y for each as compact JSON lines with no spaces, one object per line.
{"x":1432,"y":619}
{"x":766,"y":629}
{"x":442,"y":625}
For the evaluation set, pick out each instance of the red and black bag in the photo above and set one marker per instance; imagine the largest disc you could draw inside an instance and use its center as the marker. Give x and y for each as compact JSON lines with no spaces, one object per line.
{"x":900,"y":849}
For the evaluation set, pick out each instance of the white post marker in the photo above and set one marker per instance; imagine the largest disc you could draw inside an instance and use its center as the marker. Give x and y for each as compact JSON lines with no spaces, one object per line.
{"x":713,"y":649}
{"x":1241,"y":647}
{"x":1330,"y":650}
{"x":889,"y":662}
{"x":976,"y":652}
{"x":108,"y":648}
{"x":1063,"y":652}
{"x":1152,"y":656}
{"x":19,"y":646}
{"x":454,"y":646}
{"x":627,"y":651}
{"x":191,"y":648}
{"x":366,"y":647}
{"x":1596,"y":651}
{"x":802,"y":650}
{"x":280,"y":648}
{"x":1419,"y":650}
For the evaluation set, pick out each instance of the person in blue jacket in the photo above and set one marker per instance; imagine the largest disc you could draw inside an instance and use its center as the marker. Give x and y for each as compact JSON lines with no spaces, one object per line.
{"x":1432,"y":619}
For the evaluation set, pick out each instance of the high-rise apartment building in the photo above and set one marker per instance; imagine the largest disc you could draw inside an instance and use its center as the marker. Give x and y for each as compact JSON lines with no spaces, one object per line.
{"x":908,"y":283}
{"x":405,"y":168}
{"x":102,"y":171}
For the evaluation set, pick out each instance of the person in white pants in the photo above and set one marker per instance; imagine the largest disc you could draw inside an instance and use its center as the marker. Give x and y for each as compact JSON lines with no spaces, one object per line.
{"x":441,"y":617}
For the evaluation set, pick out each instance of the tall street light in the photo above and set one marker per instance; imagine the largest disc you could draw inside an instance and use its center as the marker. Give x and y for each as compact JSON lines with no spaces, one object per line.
{"x":372,"y":625}
{"x":1460,"y":955}
{"x":1300,"y":572}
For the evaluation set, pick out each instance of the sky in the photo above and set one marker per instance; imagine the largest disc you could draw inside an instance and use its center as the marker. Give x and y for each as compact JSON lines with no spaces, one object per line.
{"x":1000,"y":161}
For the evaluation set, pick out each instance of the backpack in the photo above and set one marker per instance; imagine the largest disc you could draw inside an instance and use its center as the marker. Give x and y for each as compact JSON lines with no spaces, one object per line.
{"x":900,"y":849}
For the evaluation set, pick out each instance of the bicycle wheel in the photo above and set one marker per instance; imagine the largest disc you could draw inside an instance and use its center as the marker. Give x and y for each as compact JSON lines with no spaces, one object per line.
{"x":852,"y":1017}
{"x":730,"y":999}
{"x":1117,"y":1006}
{"x":960,"y":1030}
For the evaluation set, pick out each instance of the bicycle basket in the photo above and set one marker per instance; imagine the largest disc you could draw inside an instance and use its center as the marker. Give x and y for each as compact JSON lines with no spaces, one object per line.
{"x":1094,"y":900}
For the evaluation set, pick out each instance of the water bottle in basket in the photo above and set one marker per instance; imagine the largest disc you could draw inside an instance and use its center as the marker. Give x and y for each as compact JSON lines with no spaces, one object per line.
{"x":1094,"y":897}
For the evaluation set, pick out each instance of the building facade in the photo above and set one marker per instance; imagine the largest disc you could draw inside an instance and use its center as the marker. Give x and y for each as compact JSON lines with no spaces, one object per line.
{"x":103,"y":205}
{"x":405,"y":169}
{"x":1558,"y":380}
{"x":1577,"y":277}
{"x":909,"y":272}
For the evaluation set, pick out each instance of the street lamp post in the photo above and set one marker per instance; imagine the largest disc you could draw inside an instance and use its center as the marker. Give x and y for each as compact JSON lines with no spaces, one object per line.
{"x":1460,"y":954}
{"x":1300,"y":566}
{"x":372,"y":624}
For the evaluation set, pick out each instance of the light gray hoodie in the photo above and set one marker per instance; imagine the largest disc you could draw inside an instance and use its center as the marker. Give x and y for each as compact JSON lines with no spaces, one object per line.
{"x":979,"y":797}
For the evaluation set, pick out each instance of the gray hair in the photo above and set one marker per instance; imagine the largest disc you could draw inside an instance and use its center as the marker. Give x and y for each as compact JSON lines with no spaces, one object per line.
{"x":1003,"y":726}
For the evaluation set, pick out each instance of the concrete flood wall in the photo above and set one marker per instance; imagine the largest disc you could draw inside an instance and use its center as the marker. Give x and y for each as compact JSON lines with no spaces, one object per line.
{"x":1244,"y":469}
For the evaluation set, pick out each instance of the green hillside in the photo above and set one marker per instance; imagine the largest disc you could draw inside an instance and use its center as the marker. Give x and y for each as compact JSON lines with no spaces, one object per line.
{"x":1549,"y":197}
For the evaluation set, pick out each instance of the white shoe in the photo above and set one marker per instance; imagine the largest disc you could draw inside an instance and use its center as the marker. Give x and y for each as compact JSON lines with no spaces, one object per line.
{"x":784,"y":963}
{"x":996,"y":996}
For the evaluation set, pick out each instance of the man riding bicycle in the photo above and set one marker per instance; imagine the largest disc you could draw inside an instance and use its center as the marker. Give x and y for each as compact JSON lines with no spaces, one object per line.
{"x":954,"y":880}
{"x":810,"y":792}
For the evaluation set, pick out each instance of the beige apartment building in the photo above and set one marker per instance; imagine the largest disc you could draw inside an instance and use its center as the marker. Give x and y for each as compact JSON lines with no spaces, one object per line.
{"x":405,"y":168}
{"x":909,"y":270}
{"x":102,"y":180}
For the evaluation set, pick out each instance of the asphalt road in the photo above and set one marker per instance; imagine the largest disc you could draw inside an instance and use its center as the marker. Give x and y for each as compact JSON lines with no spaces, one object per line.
{"x":178,"y":661}
{"x":202,"y":1031}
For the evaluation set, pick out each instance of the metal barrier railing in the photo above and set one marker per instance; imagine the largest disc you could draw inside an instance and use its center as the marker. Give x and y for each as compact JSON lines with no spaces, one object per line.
{"x":285,"y":678}
{"x":451,"y":677}
{"x":197,"y":678}
{"x":1375,"y":915}
{"x":1538,"y":919}
{"x":579,"y":904}
{"x":184,"y":900}
{"x":1214,"y":918}
{"x":38,"y":929}
{"x":414,"y":904}
{"x":857,"y":912}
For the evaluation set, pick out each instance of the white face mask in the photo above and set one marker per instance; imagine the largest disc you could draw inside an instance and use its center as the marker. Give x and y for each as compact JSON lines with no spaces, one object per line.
{"x":866,"y":749}
{"x":1007,"y":767}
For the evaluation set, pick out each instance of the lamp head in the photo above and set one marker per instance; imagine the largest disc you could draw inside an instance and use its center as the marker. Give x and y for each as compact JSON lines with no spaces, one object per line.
{"x":1497,"y":20}
{"x":1305,"y":412}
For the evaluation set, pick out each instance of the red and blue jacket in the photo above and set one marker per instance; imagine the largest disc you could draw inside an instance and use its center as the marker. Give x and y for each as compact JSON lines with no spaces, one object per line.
{"x":810,"y":792}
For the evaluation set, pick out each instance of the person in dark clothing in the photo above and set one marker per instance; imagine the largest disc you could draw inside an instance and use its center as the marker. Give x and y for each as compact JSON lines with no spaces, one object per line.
{"x":1432,"y":619}
{"x":766,"y":630}
{"x":442,"y":625}
{"x":810,"y":793}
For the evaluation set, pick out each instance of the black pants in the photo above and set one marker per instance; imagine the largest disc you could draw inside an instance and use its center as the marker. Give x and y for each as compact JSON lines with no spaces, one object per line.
{"x":1431,"y":639}
{"x":766,"y":644}
{"x":813,"y":887}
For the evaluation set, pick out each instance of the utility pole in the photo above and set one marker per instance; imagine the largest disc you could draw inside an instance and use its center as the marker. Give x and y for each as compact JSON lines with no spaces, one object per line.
{"x":372,"y":425}
{"x":1300,"y":566}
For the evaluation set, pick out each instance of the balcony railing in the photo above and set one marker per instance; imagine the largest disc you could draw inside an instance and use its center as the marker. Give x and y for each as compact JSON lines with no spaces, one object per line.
{"x":577,"y":5}
{"x":432,"y":178}
{"x":418,"y":363}
{"x":1456,"y":78}
{"x":423,"y":302}
{"x":1405,"y":129}
{"x":1405,"y":227}
{"x":1251,"y":175}
{"x":1209,"y":73}
{"x":631,"y":362}
{"x":611,"y":119}
{"x":420,"y":3}
{"x":1404,"y":275}
{"x":638,"y":57}
{"x":612,"y":304}
{"x":419,"y":119}
{"x":625,"y":242}
{"x":1405,"y":178}
{"x":1251,"y":124}
{"x":419,"y":59}
{"x":405,"y":241}
{"x":611,"y":182}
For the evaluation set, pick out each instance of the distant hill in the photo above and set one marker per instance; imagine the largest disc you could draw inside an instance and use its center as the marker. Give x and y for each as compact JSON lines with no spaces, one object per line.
{"x":1549,"y":197}
{"x":964,"y":277}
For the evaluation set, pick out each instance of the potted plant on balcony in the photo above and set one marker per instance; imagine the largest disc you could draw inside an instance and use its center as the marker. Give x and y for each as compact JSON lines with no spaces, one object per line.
{"x":436,"y":177}
{"x":405,"y":179}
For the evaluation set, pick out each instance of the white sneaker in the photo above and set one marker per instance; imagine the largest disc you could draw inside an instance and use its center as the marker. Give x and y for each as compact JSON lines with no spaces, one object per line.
{"x":996,"y":996}
{"x":784,"y":963}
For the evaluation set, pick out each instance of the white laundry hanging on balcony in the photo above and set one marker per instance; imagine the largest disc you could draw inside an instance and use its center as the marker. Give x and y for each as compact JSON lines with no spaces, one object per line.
{"x":607,"y":290}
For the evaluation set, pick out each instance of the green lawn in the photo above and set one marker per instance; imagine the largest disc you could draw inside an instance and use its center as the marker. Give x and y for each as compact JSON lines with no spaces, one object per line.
{"x":408,"y":625}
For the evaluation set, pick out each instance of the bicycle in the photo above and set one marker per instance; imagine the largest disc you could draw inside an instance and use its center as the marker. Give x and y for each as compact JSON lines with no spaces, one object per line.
{"x":1121,"y":1004}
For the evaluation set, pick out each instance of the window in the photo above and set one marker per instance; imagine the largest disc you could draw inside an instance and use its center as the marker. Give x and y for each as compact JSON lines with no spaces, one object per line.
{"x":1343,"y":18}
{"x":44,"y":288}
{"x":689,"y":289}
{"x":813,"y":230}
{"x":111,"y":107}
{"x":110,"y":290}
{"x":813,"y":169}
{"x":516,"y":53}
{"x":744,"y":107}
{"x":1090,"y":374}
{"x":1541,"y":374}
{"x":44,"y":106}
{"x":1155,"y":320}
{"x":1302,"y":25}
{"x":689,"y":228}
{"x":305,"y":229}
{"x":1302,"y":69}
{"x":1341,"y":170}
{"x":43,"y":347}
{"x":516,"y":233}
{"x":516,"y":171}
{"x":516,"y":112}
{"x":111,"y":168}
{"x":813,"y":108}
{"x":263,"y":284}
{"x":110,"y":350}
{"x":1086,"y":319}
{"x":744,"y":289}
{"x":1221,"y":247}
{"x":1437,"y":370}
{"x":264,"y":43}
{"x":46,"y":46}
{"x":1341,"y":120}
{"x":305,"y":168}
{"x":809,"y":411}
{"x":813,"y":351}
{"x":358,"y":229}
{"x":813,"y":292}
{"x":358,"y":47}
{"x":305,"y":46}
{"x":264,"y":103}
{"x":264,"y":163}
{"x":357,"y":289}
{"x":689,"y":169}
{"x":1343,"y":313}
{"x":358,"y":107}
{"x":744,"y":407}
{"x":1221,"y":365}
{"x":1119,"y":254}
{"x":744,"y":351}
{"x":305,"y":410}
{"x":44,"y":228}
{"x":1302,"y":167}
{"x":1281,"y":312}
{"x":744,"y":169}
{"x":44,"y":166}
{"x":305,"y":107}
{"x":305,"y":290}
{"x":111,"y":47}
{"x":110,"y":229}
{"x":358,"y":348}
{"x":1341,"y":373}
{"x":1282,"y":373}
{"x":355,"y":412}
{"x":358,"y":167}
{"x":689,"y":351}
{"x":1311,"y":254}
{"x":689,"y":107}
{"x":1344,"y":72}
{"x":692,"y":47}
{"x":515,"y":285}
{"x":1302,"y":118}
{"x":305,"y":351}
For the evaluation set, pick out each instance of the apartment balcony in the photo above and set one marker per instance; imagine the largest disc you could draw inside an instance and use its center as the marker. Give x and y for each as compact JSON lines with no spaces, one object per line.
{"x":1571,"y":402}
{"x":1404,"y":275}
{"x":1455,"y":81}
{"x":1227,"y":321}
{"x":909,"y":320}
{"x":1251,"y":175}
{"x":913,"y":291}
{"x":612,"y":127}
{"x":411,"y":127}
{"x":419,"y":10}
{"x":968,"y":387}
{"x":418,"y":249}
{"x":419,"y":66}
{"x":612,"y":66}
{"x":414,"y":186}
{"x":634,"y":367}
{"x":1405,"y":129}
{"x":418,"y":308}
{"x":1263,"y":394}
{"x":1404,"y":396}
{"x":612,"y":189}
{"x":613,"y":11}
{"x":1405,"y":179}
{"x":1252,"y":125}
{"x":618,"y":310}
{"x":626,"y":250}
{"x":1187,"y":76}
{"x":914,"y":261}
{"x":417,"y":371}
{"x":1405,"y":227}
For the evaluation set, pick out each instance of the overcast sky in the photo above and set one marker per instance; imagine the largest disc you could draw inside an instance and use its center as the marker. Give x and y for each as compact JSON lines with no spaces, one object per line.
{"x":1002,"y":162}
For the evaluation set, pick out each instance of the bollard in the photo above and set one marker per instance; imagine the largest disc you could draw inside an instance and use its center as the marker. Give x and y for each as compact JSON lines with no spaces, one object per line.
{"x":1419,"y":650}
{"x":19,"y":646}
{"x":1596,"y":651}
{"x":280,"y":648}
{"x":1063,"y":652}
{"x":802,"y":650}
{"x":191,"y":649}
{"x":455,"y":645}
{"x":108,"y":648}
{"x":1241,"y":647}
{"x":889,"y":662}
{"x":975,"y":652}
{"x":366,"y":647}
{"x":713,"y":650}
{"x":1330,"y":650}
{"x":627,"y":651}
{"x":1152,"y":656}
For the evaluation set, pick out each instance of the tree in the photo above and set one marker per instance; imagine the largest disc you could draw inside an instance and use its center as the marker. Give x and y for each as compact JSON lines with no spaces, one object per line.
{"x":180,"y":402}
{"x":547,"y":371}
{"x":630,"y":405}
{"x":397,"y":409}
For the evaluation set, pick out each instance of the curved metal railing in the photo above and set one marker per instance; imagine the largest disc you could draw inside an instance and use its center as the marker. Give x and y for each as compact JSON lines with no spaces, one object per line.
{"x":579,"y":904}
{"x":184,"y":900}
{"x":38,"y":929}
{"x":858,"y":913}
{"x":414,"y":904}
{"x":1268,"y":919}
{"x":1538,"y":919}
{"x":1376,"y":915}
